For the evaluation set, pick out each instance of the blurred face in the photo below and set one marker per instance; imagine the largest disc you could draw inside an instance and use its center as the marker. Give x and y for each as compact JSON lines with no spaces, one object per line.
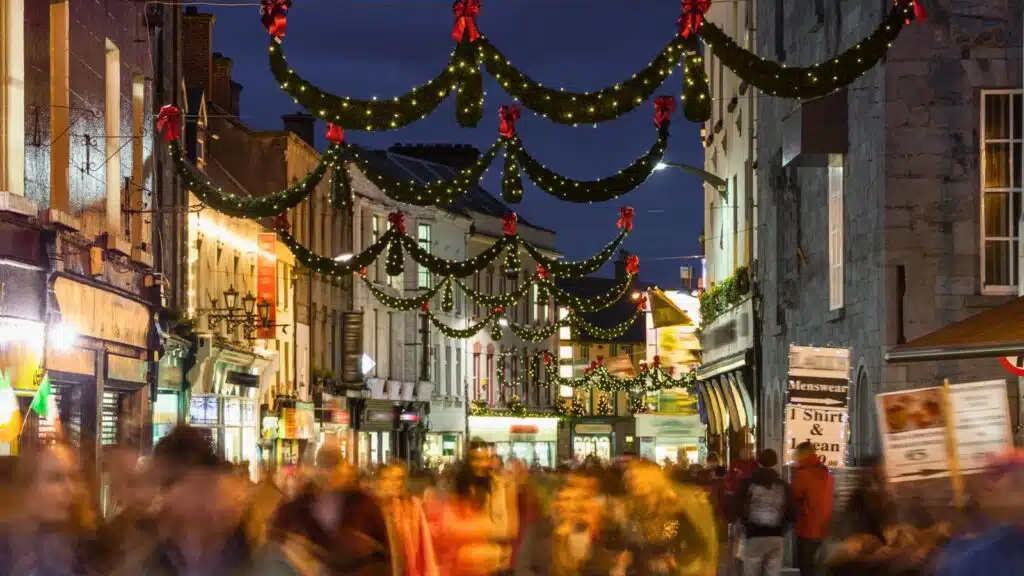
{"x":644,"y":481}
{"x":480,"y":462}
{"x":391,"y":483}
{"x":205,"y":503}
{"x":56,"y":485}
{"x":712,"y":462}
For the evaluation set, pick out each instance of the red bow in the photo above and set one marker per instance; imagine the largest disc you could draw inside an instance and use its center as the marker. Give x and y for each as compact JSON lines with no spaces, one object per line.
{"x":397,"y":220}
{"x":363,"y":271}
{"x":335,"y":135}
{"x":547,"y":358}
{"x":168,"y":123}
{"x":664,"y":106}
{"x":281,"y":222}
{"x":498,"y":310}
{"x":692,"y":18}
{"x":275,"y":17}
{"x":641,"y":302}
{"x":426,"y":306}
{"x":656,"y":361}
{"x":632,"y":264}
{"x":600,"y":360}
{"x":919,"y":14}
{"x":625,"y":219}
{"x":465,"y":12}
{"x":542,"y":272}
{"x":508,"y":115}
{"x":508,"y":224}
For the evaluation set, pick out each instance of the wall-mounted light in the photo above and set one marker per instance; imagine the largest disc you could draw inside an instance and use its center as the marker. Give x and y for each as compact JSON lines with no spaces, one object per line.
{"x":62,"y":337}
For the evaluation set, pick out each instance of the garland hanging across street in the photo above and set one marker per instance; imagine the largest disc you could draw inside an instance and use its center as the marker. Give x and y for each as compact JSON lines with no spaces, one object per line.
{"x":651,"y":378}
{"x":462,"y":74}
{"x":517,"y":161}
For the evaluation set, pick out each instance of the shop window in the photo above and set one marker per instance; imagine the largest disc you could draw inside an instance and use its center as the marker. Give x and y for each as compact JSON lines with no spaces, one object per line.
{"x":836,"y":244}
{"x":423,"y":238}
{"x":476,"y":376}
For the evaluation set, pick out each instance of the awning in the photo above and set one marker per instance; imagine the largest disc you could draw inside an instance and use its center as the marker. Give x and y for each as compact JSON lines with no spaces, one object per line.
{"x":727,"y":402}
{"x":995,"y":332}
{"x":665,"y":313}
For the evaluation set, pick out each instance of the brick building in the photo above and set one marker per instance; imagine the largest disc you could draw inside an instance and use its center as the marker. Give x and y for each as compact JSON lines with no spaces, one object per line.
{"x":874,"y":238}
{"x":75,"y":182}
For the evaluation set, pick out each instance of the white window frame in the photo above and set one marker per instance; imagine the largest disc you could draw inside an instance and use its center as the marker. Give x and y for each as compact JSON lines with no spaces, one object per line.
{"x":374,"y":237}
{"x":424,"y":238}
{"x":836,"y":245}
{"x":1014,"y":193}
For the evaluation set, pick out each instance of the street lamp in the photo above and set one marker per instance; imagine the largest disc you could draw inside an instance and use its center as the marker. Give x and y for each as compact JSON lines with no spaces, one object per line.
{"x":264,"y":313}
{"x":717,"y":182}
{"x":231,"y":298}
{"x":248,"y":301}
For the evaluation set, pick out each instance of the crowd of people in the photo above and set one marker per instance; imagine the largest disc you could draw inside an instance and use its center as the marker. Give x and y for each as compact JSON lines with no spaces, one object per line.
{"x":183,"y":511}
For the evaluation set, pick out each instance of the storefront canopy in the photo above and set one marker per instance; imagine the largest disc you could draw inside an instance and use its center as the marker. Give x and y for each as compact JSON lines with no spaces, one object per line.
{"x":995,"y":332}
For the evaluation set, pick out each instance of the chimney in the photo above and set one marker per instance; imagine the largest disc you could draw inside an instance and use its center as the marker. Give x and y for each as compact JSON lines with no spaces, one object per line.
{"x":197,"y":49}
{"x":620,"y":265}
{"x":302,"y":125}
{"x":220,"y":91}
{"x":236,"y":98}
{"x":456,"y":156}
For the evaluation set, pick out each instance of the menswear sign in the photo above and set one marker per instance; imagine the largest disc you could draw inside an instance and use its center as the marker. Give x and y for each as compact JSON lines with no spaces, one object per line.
{"x":817,"y":396}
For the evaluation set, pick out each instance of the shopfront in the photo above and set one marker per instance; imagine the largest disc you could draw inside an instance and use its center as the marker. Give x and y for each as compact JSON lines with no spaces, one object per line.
{"x":375,"y":433}
{"x":444,"y":442}
{"x":168,"y":406}
{"x":335,"y":424}
{"x":296,"y":427}
{"x":225,"y":403}
{"x":728,"y":380}
{"x":532,"y":440}
{"x":671,"y":437}
{"x":593,"y":440}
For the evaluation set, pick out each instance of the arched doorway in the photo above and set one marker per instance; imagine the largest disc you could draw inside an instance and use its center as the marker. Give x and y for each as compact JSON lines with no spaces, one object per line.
{"x":863,"y":421}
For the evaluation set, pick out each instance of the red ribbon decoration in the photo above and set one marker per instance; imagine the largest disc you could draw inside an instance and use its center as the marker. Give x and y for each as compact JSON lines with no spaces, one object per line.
{"x":632,"y":265}
{"x":919,"y":14}
{"x":281,"y":222}
{"x":275,"y":17}
{"x":168,"y":123}
{"x":692,"y":18}
{"x":498,"y":310}
{"x":547,"y":358}
{"x":641,"y":302}
{"x":600,"y":360}
{"x":508,"y":223}
{"x":542,"y":272}
{"x":656,"y":361}
{"x":625,"y":219}
{"x":465,"y":12}
{"x":664,"y":106}
{"x":335,"y":135}
{"x":362,"y":272}
{"x":397,"y":220}
{"x":426,"y":306}
{"x":508,"y":115}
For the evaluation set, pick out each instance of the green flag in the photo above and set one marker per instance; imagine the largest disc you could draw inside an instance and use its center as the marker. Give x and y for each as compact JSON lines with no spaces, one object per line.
{"x":5,"y":381}
{"x":41,"y":401}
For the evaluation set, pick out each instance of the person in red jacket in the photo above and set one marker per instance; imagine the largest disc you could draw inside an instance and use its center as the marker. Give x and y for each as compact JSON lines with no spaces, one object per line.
{"x":812,"y":498}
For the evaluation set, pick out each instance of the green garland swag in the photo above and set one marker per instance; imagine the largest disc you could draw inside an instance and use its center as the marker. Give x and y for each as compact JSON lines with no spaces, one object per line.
{"x":477,"y":409}
{"x":369,"y":115}
{"x":463,"y":76}
{"x":572,"y":108}
{"x":404,"y":304}
{"x":534,"y":334}
{"x":437,"y":193}
{"x":563,"y":269}
{"x":252,"y":207}
{"x":815,"y":80}
{"x":601,"y":190}
{"x":650,"y":380}
{"x":330,"y":267}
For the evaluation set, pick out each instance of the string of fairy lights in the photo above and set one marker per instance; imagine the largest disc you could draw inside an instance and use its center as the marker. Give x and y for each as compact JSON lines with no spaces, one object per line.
{"x":473,"y":50}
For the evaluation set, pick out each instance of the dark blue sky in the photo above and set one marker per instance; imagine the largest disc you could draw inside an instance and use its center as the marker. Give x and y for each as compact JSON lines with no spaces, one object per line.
{"x":364,"y":48}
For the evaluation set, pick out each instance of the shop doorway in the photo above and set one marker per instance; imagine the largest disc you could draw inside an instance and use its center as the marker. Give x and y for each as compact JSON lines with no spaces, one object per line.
{"x":585,"y":446}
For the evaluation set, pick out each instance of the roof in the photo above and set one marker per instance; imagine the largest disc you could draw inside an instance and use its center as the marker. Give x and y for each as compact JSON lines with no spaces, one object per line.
{"x":995,"y":332}
{"x":402,"y":167}
{"x":614,"y":315}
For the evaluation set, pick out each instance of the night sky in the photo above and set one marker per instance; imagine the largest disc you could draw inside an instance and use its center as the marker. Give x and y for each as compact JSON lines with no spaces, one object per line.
{"x":364,"y":48}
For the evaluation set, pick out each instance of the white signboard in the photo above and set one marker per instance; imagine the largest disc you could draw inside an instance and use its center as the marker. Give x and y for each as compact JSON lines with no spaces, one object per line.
{"x":825,"y":428}
{"x":914,"y":438}
{"x":982,"y":417}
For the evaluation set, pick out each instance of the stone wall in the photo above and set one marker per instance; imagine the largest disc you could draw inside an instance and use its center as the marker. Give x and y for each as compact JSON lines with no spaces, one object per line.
{"x":910,"y":198}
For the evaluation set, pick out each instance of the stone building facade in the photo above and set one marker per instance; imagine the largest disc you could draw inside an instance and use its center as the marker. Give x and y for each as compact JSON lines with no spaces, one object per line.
{"x":899,"y":198}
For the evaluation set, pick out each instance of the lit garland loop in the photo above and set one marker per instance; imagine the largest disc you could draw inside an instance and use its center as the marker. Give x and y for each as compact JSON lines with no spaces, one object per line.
{"x":651,"y":379}
{"x":493,"y":321}
{"x":462,"y":75}
{"x":252,"y":207}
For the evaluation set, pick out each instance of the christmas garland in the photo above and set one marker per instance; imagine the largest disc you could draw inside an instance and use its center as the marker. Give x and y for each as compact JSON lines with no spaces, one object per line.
{"x":818,"y":79}
{"x":473,"y":50}
{"x":437,"y":193}
{"x":570,"y":190}
{"x":479,"y":408}
{"x":252,"y":207}
{"x":329,"y":266}
{"x":494,"y":321}
{"x":650,"y":379}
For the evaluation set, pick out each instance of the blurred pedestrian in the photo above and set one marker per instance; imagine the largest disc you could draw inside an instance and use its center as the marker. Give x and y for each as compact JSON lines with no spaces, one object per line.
{"x":766,"y":510}
{"x":813,"y":497}
{"x":412,"y":549}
